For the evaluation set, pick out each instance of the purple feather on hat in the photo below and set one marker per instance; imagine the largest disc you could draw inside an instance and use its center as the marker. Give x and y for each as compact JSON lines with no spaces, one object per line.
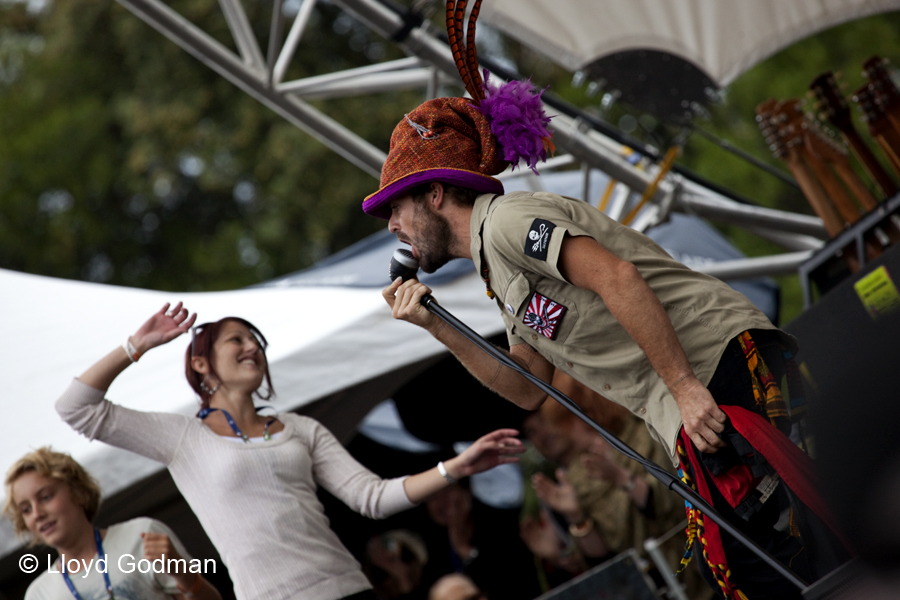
{"x":517,"y":119}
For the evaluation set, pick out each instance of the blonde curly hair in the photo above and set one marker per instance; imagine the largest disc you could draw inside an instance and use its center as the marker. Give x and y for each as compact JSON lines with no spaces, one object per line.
{"x":57,"y":465}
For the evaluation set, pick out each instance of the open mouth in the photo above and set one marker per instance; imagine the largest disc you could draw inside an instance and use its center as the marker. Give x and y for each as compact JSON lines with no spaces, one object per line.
{"x":47,"y":528}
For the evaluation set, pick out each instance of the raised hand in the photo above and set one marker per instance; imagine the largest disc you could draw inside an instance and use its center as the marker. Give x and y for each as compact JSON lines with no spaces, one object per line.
{"x":487,"y":452}
{"x":163,"y":327}
{"x":599,"y":462}
{"x":540,"y":537}
{"x":559,"y":496}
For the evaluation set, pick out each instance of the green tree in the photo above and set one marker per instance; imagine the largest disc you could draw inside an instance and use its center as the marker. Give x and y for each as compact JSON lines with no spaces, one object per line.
{"x":125,"y":160}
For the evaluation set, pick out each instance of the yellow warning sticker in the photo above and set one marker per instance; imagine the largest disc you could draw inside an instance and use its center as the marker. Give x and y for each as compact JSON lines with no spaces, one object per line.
{"x":878,"y":292}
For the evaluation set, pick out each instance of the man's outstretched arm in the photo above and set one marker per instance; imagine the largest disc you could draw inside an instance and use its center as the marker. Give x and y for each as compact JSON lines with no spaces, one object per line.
{"x":586,"y":263}
{"x":404,"y":298}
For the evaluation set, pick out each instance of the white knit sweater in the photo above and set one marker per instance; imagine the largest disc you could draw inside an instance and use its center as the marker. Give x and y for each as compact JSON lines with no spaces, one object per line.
{"x":257,"y":502}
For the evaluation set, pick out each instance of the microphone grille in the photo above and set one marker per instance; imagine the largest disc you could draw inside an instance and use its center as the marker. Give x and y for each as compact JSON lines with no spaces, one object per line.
{"x":405,"y":257}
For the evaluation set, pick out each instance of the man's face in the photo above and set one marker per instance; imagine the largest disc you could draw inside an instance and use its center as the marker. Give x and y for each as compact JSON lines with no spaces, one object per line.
{"x":427,"y":232}
{"x":549,"y":440}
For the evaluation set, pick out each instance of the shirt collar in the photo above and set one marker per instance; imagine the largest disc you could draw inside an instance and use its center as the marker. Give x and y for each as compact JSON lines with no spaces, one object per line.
{"x":479,"y":214}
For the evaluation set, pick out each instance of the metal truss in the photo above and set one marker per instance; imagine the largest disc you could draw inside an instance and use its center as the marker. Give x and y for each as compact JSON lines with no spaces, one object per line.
{"x":430,"y":64}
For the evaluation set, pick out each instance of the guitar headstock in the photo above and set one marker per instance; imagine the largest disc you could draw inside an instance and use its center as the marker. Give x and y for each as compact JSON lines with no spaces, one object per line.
{"x":789,"y":118}
{"x":867,"y":101}
{"x":833,"y":105}
{"x":822,"y":142}
{"x":880,"y":82}
{"x":765,"y":120}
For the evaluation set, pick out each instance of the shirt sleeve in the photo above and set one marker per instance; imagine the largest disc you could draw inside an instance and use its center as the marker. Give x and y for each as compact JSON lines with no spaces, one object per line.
{"x":529,"y":232}
{"x":150,"y":434}
{"x":356,"y":486}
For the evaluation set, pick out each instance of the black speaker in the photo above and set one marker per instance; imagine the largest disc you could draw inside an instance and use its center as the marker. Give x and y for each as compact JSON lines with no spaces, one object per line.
{"x":849,"y":358}
{"x":620,"y":577}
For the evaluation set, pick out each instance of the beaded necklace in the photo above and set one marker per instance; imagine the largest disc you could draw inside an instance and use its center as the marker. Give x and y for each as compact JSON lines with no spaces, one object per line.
{"x":266,"y":435}
{"x":100,"y":554}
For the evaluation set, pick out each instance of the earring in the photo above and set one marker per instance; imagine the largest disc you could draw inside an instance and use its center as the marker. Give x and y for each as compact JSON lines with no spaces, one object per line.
{"x":206,"y":389}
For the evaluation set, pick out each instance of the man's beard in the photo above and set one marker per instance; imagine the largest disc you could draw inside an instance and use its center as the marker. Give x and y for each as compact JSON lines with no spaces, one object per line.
{"x":433,"y":240}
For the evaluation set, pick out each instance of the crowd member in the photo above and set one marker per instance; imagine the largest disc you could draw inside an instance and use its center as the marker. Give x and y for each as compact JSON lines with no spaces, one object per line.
{"x":455,"y":586}
{"x":609,"y":501}
{"x":585,"y":294}
{"x":469,"y":537}
{"x":251,"y":480}
{"x":393,"y":563}
{"x":53,"y":500}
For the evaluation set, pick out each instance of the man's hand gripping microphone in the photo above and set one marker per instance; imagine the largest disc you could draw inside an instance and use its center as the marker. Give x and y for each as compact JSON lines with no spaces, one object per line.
{"x":405,"y":265}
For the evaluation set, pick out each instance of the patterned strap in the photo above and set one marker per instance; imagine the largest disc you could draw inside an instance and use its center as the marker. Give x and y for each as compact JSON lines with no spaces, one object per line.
{"x":766,"y":391}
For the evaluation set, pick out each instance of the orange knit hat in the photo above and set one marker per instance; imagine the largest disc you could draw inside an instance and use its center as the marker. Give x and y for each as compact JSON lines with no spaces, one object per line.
{"x":446,"y":139}
{"x":463,"y":141}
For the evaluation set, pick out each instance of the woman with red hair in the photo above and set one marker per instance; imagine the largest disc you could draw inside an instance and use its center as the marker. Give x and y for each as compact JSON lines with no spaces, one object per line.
{"x":250,"y":479}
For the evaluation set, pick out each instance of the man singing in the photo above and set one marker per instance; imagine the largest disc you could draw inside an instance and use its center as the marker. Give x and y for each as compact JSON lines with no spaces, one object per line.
{"x":578,"y":291}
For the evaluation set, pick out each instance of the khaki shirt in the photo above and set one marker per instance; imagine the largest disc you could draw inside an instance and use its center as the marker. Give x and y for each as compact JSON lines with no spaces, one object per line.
{"x":522,"y":233}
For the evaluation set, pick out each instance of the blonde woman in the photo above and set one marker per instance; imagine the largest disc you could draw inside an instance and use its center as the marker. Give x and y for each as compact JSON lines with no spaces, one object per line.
{"x":252,"y":480}
{"x":53,"y":500}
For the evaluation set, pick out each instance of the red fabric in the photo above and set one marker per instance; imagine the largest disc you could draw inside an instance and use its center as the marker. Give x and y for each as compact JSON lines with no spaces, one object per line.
{"x":736,"y":483}
{"x":793,"y":467}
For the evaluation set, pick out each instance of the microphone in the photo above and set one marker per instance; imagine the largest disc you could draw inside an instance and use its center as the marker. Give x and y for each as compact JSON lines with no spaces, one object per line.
{"x":403,"y":264}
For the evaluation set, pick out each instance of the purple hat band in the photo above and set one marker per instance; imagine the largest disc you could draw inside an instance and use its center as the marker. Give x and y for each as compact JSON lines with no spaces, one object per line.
{"x":376,"y":205}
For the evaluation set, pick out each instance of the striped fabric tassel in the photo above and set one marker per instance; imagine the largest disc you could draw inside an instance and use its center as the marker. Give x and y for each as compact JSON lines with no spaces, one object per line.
{"x":695,"y":531}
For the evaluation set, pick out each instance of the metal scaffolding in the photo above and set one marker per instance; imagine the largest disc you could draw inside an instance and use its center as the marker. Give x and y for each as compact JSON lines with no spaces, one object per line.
{"x":430,"y":64}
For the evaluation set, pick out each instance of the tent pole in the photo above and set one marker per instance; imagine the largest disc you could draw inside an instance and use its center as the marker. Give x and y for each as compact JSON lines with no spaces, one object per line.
{"x":672,"y":482}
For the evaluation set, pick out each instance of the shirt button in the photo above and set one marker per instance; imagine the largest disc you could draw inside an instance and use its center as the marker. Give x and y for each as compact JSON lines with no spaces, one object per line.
{"x":533,"y":336}
{"x":643,"y":411}
{"x":607,"y":387}
{"x":568,"y":364}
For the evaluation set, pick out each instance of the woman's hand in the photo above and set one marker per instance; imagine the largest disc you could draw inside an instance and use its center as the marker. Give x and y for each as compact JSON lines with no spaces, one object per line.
{"x":163,"y":327}
{"x":540,"y":537}
{"x":158,"y":546}
{"x":487,"y":452}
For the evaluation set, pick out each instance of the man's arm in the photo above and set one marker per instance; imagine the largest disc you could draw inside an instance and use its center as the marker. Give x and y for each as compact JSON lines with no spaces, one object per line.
{"x":405,"y":302}
{"x":586,"y":263}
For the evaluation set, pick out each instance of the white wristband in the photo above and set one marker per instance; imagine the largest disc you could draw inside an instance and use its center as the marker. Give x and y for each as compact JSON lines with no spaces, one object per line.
{"x":131,"y":351}
{"x":443,"y":471}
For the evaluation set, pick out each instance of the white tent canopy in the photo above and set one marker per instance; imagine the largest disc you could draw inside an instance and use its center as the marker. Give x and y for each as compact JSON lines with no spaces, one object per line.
{"x":322,"y":340}
{"x":723,"y":38}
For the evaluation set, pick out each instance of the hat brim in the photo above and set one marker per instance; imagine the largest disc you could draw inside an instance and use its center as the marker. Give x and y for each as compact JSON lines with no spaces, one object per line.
{"x":377,"y":204}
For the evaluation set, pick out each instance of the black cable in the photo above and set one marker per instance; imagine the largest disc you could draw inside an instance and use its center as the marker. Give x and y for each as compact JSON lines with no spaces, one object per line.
{"x":729,"y":147}
{"x":672,"y":482}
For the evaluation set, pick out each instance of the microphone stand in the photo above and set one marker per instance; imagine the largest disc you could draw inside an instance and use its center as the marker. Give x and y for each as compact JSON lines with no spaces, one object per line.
{"x":672,"y":482}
